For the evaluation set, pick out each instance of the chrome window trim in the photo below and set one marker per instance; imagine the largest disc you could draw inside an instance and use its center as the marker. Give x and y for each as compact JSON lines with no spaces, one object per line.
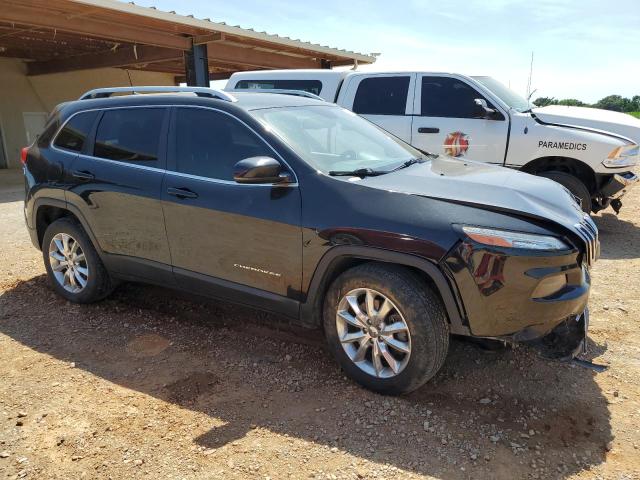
{"x":55,"y":136}
{"x":118,"y":162}
{"x":229,"y":182}
{"x":173,"y":172}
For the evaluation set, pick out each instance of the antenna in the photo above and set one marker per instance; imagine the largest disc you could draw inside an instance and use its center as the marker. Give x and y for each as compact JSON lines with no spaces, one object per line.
{"x":529,"y":93}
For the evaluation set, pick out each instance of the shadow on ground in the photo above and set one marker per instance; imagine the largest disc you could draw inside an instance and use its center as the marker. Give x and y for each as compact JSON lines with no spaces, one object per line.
{"x":619,"y":239}
{"x":232,"y":364}
{"x":9,"y":196}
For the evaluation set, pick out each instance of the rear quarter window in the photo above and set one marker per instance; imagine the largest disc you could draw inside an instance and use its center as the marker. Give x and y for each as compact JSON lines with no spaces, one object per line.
{"x":382,"y":96}
{"x":74,"y":134}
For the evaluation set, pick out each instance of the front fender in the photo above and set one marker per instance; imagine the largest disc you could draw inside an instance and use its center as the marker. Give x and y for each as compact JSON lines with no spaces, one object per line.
{"x":311,"y":309}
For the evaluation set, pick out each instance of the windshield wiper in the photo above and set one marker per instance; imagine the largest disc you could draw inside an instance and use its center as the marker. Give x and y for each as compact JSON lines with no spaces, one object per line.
{"x":359,"y":172}
{"x":368,"y":172}
{"x":408,"y":163}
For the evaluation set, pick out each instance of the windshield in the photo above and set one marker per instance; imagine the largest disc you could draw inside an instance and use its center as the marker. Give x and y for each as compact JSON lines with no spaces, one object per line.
{"x":330,"y":138}
{"x":504,"y":93}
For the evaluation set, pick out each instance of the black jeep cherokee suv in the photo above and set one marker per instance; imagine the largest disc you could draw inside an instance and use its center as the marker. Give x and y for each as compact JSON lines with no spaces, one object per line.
{"x":297,"y":206}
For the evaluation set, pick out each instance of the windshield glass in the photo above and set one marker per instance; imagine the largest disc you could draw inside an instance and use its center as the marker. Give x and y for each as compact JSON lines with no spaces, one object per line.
{"x":330,"y":138}
{"x":504,"y":93}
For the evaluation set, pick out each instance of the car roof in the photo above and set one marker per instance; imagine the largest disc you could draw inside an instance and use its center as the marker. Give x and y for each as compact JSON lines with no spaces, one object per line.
{"x":252,"y":101}
{"x":245,"y":101}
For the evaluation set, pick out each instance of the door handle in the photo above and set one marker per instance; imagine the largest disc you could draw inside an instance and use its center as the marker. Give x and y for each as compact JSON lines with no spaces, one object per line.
{"x":83,"y":175}
{"x":181,"y":192}
{"x":428,"y":130}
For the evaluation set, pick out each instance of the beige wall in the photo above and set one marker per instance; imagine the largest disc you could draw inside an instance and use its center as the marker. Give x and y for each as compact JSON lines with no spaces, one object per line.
{"x":42,"y":93}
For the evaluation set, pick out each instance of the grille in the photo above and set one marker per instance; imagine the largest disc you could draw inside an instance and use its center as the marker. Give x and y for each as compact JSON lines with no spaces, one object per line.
{"x":589,"y":234}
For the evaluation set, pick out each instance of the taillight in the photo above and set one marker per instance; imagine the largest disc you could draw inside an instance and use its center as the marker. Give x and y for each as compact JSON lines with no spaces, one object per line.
{"x":23,"y":155}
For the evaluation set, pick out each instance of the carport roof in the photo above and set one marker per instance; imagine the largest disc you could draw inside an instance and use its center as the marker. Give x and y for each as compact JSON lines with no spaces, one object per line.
{"x":66,"y":35}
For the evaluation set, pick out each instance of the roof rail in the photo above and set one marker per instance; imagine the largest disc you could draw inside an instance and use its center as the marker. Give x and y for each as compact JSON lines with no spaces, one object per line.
{"x":199,"y":91}
{"x":298,"y":93}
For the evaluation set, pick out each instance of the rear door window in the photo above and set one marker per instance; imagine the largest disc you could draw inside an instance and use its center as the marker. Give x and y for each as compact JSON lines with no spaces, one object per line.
{"x":130,"y":135}
{"x":448,"y":97}
{"x":311,"y":86}
{"x":382,"y":96}
{"x":209,"y":143}
{"x":74,"y":134}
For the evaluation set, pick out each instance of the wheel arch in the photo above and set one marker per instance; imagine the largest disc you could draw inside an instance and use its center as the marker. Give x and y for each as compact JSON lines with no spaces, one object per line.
{"x":341,"y":258}
{"x":572,"y":166}
{"x":48,"y":210}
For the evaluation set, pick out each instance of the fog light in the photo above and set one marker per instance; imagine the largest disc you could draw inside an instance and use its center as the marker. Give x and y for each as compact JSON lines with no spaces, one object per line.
{"x":549,"y":286}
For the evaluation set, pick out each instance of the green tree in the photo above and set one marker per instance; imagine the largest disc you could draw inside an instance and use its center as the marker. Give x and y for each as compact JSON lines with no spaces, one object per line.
{"x":613,"y":102}
{"x":544,"y":101}
{"x":572,"y":102}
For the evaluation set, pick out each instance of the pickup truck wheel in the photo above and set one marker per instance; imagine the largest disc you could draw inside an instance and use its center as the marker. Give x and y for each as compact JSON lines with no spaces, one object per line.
{"x":74,"y":268}
{"x":386,"y":328}
{"x":573,"y":184}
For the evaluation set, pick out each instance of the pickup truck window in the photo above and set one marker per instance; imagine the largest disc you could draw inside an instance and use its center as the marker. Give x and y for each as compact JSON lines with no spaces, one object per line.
{"x":74,"y":133}
{"x":209,"y":144}
{"x":331,"y":138}
{"x":504,"y":93}
{"x":311,"y":86}
{"x":382,"y":96}
{"x":449,"y":97}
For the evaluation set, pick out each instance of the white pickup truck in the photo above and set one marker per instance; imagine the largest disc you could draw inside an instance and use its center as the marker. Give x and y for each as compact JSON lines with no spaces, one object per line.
{"x":591,"y":152}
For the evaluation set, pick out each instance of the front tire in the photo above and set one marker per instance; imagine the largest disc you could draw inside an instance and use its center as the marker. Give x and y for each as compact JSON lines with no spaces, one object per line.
{"x":73,"y":266}
{"x":386,"y":327}
{"x":573,"y":184}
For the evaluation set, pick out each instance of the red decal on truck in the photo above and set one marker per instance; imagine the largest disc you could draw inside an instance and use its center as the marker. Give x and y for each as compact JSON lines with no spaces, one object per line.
{"x":456,"y":144}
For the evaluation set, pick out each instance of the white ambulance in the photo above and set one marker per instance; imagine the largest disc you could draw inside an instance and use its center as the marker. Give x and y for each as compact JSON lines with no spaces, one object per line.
{"x":591,"y":152}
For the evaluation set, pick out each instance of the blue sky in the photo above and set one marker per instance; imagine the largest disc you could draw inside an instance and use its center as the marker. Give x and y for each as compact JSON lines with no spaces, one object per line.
{"x":583,"y":49}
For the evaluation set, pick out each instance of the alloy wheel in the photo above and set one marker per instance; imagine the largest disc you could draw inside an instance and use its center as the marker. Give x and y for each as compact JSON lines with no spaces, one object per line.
{"x":373,"y":333}
{"x":68,"y":263}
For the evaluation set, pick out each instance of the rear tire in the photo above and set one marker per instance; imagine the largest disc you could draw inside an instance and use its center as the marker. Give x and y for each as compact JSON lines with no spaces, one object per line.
{"x":408,"y":358}
{"x":73,"y":266}
{"x":573,"y":184}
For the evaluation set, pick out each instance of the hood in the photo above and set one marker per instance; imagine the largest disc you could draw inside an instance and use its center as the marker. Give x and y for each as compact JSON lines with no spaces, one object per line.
{"x":595,"y":118}
{"x":483,"y":185}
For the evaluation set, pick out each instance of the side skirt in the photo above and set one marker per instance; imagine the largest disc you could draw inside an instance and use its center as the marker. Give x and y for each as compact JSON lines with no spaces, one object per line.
{"x":236,"y":293}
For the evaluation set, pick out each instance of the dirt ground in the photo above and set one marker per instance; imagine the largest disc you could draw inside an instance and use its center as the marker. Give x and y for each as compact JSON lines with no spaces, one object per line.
{"x":152,"y":384}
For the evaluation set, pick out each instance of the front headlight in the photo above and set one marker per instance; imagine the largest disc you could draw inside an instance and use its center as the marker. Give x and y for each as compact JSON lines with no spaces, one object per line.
{"x":624,"y":156}
{"x":504,"y":238}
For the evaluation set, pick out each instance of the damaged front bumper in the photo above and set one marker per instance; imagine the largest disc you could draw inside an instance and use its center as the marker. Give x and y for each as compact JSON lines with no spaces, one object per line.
{"x":614,"y":189}
{"x":565,"y":341}
{"x":516,"y":296}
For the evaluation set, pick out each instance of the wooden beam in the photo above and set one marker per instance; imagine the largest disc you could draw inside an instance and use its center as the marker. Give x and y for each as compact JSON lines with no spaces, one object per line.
{"x":210,"y":38}
{"x":342,"y":63}
{"x":93,"y":28}
{"x":219,"y":52}
{"x":123,"y":56}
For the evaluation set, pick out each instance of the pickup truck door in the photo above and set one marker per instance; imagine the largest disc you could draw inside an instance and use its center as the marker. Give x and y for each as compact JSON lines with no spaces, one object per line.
{"x":447,"y":121}
{"x":385,"y":99}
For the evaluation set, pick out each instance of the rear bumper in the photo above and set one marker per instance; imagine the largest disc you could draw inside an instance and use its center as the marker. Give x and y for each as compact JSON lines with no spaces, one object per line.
{"x":511,"y":296}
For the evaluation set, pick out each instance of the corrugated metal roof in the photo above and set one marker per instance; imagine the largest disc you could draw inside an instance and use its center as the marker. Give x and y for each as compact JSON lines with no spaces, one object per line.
{"x":222,"y":27}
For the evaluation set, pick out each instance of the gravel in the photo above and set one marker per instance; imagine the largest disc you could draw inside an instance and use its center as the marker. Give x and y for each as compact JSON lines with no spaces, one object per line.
{"x":152,"y":383}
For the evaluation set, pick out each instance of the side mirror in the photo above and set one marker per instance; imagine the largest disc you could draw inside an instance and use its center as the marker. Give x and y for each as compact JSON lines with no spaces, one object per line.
{"x":483,"y":109}
{"x":259,"y":170}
